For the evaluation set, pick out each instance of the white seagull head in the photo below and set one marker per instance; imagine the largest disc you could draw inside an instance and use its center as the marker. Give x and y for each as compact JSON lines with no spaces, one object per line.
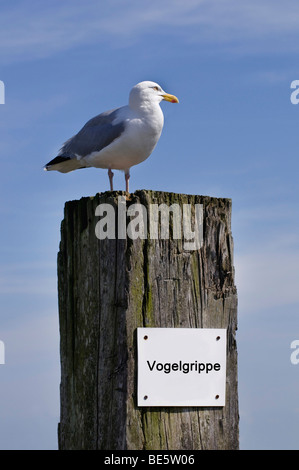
{"x":149,"y":92}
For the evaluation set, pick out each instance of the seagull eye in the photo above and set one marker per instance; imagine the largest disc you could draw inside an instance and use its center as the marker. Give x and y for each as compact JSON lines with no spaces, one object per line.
{"x":155,"y":88}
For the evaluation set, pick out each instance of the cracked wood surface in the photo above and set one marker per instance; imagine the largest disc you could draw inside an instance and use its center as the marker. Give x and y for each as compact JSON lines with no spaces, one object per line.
{"x":108,"y":288}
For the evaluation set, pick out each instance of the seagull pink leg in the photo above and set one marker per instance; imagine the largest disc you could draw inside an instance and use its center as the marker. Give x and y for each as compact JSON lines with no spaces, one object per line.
{"x":111,"y":174}
{"x":127,"y":177}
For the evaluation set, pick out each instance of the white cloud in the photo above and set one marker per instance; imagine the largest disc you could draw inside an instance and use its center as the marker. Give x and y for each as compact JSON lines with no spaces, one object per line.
{"x":267,"y":263}
{"x":29,"y":337}
{"x":267,"y":278}
{"x":34,"y":30}
{"x":28,"y":278}
{"x":29,"y":395}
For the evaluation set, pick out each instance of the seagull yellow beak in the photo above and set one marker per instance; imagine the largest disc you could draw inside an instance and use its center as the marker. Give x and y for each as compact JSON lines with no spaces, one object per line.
{"x":171,"y":98}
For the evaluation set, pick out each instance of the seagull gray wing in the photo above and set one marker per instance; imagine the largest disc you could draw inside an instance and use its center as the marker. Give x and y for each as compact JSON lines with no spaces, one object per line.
{"x":98,"y":133}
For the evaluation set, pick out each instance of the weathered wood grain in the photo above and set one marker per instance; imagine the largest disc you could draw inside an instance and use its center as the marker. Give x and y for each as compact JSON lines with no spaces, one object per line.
{"x":108,"y":288}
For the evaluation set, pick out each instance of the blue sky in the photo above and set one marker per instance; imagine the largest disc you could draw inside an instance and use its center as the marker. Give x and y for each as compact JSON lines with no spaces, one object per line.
{"x":233,"y":134}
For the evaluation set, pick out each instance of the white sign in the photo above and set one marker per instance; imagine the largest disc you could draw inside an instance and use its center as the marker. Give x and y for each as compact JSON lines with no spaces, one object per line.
{"x":181,"y":366}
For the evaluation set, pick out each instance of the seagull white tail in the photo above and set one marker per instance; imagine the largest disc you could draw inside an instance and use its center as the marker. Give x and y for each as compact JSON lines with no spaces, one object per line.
{"x":64,"y":164}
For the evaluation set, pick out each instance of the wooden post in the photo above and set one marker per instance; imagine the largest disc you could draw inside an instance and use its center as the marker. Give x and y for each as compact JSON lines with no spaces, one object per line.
{"x":108,"y":288}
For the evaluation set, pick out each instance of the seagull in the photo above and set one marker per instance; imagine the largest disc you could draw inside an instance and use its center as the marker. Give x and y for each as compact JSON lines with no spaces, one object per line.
{"x":117,"y":139}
